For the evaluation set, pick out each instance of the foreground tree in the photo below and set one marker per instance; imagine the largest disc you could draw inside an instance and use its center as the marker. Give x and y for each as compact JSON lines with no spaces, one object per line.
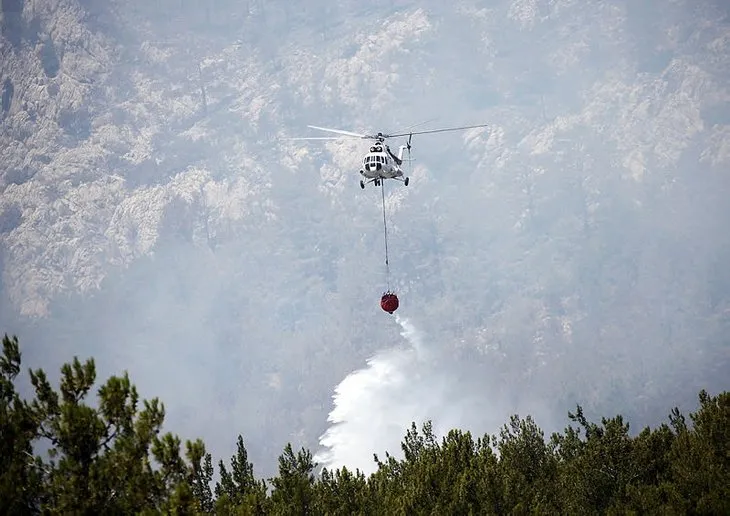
{"x":109,"y":457}
{"x":20,"y":474}
{"x":293,"y":491}
{"x":239,"y":489}
{"x":99,"y":458}
{"x":342,"y":492}
{"x":700,"y":458}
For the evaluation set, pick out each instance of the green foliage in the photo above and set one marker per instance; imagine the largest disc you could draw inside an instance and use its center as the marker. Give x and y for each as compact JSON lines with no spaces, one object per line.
{"x":293,"y":491}
{"x":700,"y":458}
{"x":239,"y":488}
{"x":341,"y":492}
{"x":109,"y":458}
{"x":528,"y":469}
{"x":20,"y":478}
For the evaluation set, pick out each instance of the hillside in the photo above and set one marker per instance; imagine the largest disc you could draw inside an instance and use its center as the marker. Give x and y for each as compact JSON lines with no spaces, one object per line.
{"x":153,"y":216}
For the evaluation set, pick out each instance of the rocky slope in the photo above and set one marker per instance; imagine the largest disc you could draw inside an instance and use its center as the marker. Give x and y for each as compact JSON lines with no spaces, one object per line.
{"x":153,"y":216}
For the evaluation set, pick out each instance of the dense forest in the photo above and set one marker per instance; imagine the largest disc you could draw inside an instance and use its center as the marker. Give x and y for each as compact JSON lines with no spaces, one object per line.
{"x":110,"y":456}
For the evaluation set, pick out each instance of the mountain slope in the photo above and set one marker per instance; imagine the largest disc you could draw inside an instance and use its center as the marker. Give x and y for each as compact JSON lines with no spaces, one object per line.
{"x":152,"y":215}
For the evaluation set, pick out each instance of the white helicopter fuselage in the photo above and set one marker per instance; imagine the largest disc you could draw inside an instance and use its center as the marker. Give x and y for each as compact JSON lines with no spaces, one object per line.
{"x":380,"y":163}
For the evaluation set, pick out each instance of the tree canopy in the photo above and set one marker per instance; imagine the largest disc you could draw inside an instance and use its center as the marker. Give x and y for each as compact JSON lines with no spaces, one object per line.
{"x":108,"y":456}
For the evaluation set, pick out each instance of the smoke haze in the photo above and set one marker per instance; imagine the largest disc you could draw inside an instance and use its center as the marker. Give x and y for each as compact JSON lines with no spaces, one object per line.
{"x":154,"y":214}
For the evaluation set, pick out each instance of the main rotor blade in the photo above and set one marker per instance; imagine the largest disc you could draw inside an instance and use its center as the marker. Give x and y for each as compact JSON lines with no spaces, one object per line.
{"x":322,"y":138}
{"x":441,"y":130}
{"x":406,"y":130}
{"x":339,"y":131}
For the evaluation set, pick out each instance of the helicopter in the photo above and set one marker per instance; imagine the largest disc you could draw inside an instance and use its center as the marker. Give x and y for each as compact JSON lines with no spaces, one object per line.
{"x":381,"y":163}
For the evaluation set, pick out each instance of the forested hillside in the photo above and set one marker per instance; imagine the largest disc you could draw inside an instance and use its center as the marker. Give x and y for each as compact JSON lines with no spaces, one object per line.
{"x":105,"y":453}
{"x":154,"y":214}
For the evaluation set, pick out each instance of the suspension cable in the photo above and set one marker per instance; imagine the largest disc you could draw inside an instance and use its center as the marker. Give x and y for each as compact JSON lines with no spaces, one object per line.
{"x":385,"y":233}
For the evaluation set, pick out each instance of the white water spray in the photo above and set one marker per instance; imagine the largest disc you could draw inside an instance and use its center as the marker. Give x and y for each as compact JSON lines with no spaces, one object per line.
{"x":374,"y":406}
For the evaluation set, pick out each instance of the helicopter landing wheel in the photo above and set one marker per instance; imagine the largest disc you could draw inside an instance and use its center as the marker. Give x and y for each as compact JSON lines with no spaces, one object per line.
{"x":362,"y":185}
{"x":406,"y":181}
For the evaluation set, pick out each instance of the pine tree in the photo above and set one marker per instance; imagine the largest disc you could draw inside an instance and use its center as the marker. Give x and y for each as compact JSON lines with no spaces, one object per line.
{"x":98,"y":458}
{"x":700,"y":457}
{"x":528,"y":468}
{"x":293,"y":491}
{"x":342,"y":493}
{"x":20,"y":473}
{"x":239,"y":489}
{"x":109,"y":458}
